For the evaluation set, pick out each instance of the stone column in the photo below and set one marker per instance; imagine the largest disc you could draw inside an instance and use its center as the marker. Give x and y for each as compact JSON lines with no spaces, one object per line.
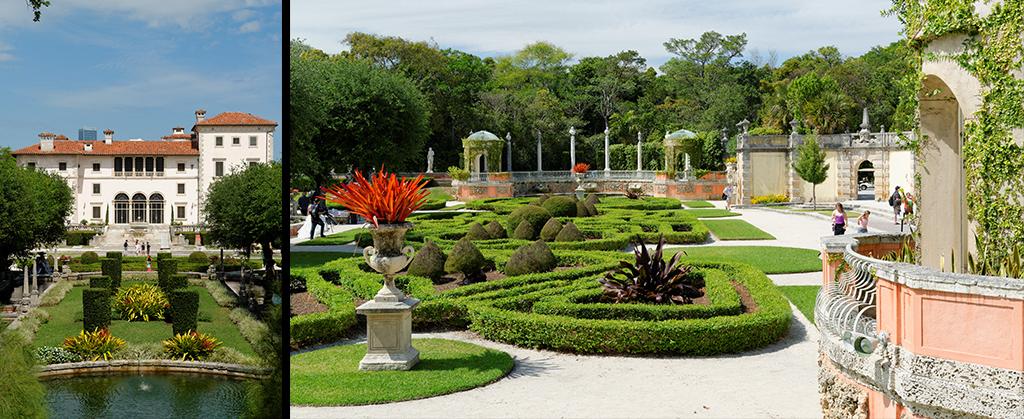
{"x":793,"y":179}
{"x":607,"y":160}
{"x":743,"y":164}
{"x":639,"y":151}
{"x":508,"y":145}
{"x":35,"y":283}
{"x":25,"y":301}
{"x":572,"y":147}
{"x":540,"y":163}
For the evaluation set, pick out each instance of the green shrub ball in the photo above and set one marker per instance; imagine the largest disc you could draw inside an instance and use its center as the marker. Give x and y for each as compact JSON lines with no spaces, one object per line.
{"x":496,"y":230}
{"x":569,"y":233}
{"x":531,"y":258}
{"x":89,"y":257}
{"x":524,"y":231}
{"x":197,"y":257}
{"x":477,"y":232}
{"x":535,"y":215}
{"x":560,"y":206}
{"x":429,"y":262}
{"x":465,"y":258}
{"x":550,"y":230}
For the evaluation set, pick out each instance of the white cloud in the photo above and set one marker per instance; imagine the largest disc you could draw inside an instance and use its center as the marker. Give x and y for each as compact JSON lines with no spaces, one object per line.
{"x":243,"y":14}
{"x":251,"y":26}
{"x":600,"y":28}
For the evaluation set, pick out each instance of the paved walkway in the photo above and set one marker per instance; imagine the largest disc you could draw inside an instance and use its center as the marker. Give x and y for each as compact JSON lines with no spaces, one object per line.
{"x":779,"y":381}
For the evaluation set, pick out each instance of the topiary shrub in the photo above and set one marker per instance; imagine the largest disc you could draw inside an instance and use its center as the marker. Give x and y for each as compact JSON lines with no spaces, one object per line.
{"x":524,"y":231}
{"x":592,"y":199}
{"x":560,"y":206}
{"x":178,"y":281}
{"x":111,"y":267}
{"x":581,"y":209}
{"x":429,"y":262}
{"x":115,"y":255}
{"x":531,"y":258}
{"x":496,"y":230}
{"x":89,"y":257}
{"x":95,"y":309}
{"x":537,"y":216}
{"x":569,"y":233}
{"x":467,"y":259}
{"x":477,"y":232}
{"x":164,"y":255}
{"x":540,"y":200}
{"x":165,"y":269}
{"x":198,"y":257}
{"x":550,"y":230}
{"x":184,"y":310}
{"x":591,"y":209}
{"x":101,"y":281}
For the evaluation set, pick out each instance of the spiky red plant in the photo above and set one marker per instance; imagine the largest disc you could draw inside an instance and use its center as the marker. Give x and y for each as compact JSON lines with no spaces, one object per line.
{"x":581,"y":168}
{"x":384,"y":198}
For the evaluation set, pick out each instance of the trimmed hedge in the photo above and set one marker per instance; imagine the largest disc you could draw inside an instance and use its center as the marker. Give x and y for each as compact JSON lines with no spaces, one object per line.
{"x":535,"y":215}
{"x":89,"y":257}
{"x":78,"y":237}
{"x":95,"y":308}
{"x":550,"y":230}
{"x":645,"y":203}
{"x":114,"y":255}
{"x":534,"y":257}
{"x":560,"y":206}
{"x":165,"y":269}
{"x":197,"y":257}
{"x":428,"y":262}
{"x":163,"y":255}
{"x":184,"y":310}
{"x":111,"y":267}
{"x":101,"y":281}
{"x":330,"y":326}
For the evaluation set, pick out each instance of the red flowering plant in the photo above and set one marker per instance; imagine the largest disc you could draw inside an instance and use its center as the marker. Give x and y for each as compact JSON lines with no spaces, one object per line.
{"x":581,"y":168}
{"x":384,"y":198}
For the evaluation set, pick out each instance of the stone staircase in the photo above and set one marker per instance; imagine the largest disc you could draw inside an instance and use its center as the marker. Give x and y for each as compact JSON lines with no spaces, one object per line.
{"x":158,"y":235}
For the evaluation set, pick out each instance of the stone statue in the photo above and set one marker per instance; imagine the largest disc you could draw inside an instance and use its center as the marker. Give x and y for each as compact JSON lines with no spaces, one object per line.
{"x":639,"y":150}
{"x":686,"y":166}
{"x":430,"y":160}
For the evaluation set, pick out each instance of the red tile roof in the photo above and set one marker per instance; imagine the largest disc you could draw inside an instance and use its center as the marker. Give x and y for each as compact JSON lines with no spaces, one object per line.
{"x":117,"y":148}
{"x":177,"y":137}
{"x":236,"y":118}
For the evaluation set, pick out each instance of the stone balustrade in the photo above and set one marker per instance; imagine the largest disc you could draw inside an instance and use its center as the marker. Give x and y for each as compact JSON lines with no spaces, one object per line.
{"x":901,"y":340}
{"x":505,"y":184}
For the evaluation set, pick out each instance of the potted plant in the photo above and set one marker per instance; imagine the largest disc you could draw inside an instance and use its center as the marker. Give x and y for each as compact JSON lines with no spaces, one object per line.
{"x":385,"y":201}
{"x":580,"y":170}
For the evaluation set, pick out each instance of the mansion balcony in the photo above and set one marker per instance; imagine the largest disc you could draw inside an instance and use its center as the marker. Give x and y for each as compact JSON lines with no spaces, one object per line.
{"x":902,"y":340}
{"x":138,"y":174}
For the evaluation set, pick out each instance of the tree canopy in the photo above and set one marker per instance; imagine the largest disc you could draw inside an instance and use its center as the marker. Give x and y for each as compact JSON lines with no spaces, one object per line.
{"x":33,"y":208}
{"x":810,"y":164}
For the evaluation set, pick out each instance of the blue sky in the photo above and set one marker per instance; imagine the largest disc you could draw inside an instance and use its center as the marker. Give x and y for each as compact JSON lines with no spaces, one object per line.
{"x":139,"y":67}
{"x":601,"y":27}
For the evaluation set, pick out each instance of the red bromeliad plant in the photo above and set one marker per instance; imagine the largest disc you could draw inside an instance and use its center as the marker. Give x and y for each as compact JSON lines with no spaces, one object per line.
{"x":384,"y":199}
{"x":581,"y":168}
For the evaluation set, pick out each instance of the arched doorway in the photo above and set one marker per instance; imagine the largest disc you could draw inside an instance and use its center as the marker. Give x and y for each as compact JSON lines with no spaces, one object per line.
{"x":943,"y":209}
{"x":156,"y":209}
{"x":121,"y":209}
{"x":481,"y":163}
{"x":866,"y":180}
{"x":138,"y":208}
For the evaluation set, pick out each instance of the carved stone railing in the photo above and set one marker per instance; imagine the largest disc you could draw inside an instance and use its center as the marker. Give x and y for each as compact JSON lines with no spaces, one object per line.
{"x":846,"y":305}
{"x":847,"y":140}
{"x":186,"y":228}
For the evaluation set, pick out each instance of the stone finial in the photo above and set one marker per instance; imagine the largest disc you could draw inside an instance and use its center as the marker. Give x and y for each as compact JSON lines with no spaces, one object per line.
{"x":572,"y":130}
{"x":605,"y":130}
{"x":744,"y":125}
{"x":864,"y":123}
{"x":508,"y":136}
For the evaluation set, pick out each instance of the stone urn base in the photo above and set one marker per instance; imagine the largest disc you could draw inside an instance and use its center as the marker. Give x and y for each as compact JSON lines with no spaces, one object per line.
{"x":389,"y":335}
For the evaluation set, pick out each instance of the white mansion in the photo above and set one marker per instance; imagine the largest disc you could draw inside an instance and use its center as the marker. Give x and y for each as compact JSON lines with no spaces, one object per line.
{"x":151,"y":182}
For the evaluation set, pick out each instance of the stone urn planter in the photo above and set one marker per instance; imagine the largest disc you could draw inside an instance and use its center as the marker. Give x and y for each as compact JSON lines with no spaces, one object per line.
{"x":389,"y":314}
{"x":579,"y":185}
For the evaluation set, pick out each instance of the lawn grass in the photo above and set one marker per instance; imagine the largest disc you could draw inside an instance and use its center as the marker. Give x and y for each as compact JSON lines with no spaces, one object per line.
{"x":344,"y":237}
{"x":331,"y":376}
{"x":803,"y":297}
{"x":698,"y":204}
{"x":768,"y":259}
{"x":439,"y":193}
{"x":736,"y":230}
{"x":308,"y":259}
{"x":710,"y":213}
{"x":66,"y":320}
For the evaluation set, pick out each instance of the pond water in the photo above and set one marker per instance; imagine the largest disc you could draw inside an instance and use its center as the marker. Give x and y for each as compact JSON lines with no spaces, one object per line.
{"x":146,"y":396}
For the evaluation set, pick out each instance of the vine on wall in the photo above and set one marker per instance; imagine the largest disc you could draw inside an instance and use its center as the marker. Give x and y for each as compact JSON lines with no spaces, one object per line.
{"x":993,"y":162}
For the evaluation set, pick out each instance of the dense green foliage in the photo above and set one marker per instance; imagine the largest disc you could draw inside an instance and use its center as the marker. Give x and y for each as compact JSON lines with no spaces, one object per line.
{"x":111,"y":268}
{"x":95,"y":308}
{"x":79,"y":237}
{"x":191,"y":346}
{"x":243,"y":209}
{"x":331,"y":376}
{"x":466,"y":259}
{"x":569,"y":233}
{"x":651,"y":279}
{"x":165,"y":269}
{"x":33,"y":207}
{"x":184,"y":310}
{"x":810,"y":164}
{"x":90,"y":257}
{"x":101,"y":281}
{"x":428,"y":262}
{"x":550,"y":230}
{"x":532,"y":214}
{"x":330,"y":326}
{"x":140,"y":302}
{"x":23,"y":395}
{"x":560,"y":206}
{"x":531,"y":258}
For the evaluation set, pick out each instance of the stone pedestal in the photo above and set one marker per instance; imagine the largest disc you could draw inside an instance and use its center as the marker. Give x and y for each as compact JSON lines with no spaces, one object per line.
{"x":389,"y":335}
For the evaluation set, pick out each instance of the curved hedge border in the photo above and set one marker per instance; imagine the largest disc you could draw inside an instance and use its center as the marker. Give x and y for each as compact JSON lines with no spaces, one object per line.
{"x":329,"y":326}
{"x":511,"y":320}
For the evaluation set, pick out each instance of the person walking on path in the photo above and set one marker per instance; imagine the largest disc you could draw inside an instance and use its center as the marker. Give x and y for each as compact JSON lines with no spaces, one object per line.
{"x":862,"y":221}
{"x":147,"y":248}
{"x":126,"y":247}
{"x":314,"y":218}
{"x":839,"y":220}
{"x":727,"y":194}
{"x":896,"y":201}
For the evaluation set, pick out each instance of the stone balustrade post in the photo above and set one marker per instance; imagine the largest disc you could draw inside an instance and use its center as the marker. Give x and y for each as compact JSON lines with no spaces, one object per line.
{"x":607,"y":160}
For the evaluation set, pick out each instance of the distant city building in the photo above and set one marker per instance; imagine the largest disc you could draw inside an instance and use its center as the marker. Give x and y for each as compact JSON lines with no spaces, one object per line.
{"x":152,"y":182}
{"x":87,"y":134}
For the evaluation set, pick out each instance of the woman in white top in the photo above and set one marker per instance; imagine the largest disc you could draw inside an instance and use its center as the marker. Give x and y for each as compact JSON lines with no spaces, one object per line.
{"x":728,"y":196}
{"x":862,"y":222}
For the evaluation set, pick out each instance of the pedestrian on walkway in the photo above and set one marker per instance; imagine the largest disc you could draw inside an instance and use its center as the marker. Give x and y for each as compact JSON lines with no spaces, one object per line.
{"x":126,"y":247}
{"x":147,"y":248}
{"x":895,"y":201}
{"x":862,"y":221}
{"x":727,"y":195}
{"x":839,"y":220}
{"x":314,"y":217}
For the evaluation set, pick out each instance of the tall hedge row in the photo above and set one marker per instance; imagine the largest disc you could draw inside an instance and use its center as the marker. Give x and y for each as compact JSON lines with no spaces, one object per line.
{"x":184,"y":310}
{"x":111,"y":267}
{"x":95,"y":308}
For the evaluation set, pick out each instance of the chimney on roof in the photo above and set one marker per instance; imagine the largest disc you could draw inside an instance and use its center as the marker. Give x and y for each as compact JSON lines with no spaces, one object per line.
{"x":177,"y":131}
{"x":46,"y":141}
{"x":108,"y":136}
{"x":87,"y":146}
{"x":200,"y":115}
